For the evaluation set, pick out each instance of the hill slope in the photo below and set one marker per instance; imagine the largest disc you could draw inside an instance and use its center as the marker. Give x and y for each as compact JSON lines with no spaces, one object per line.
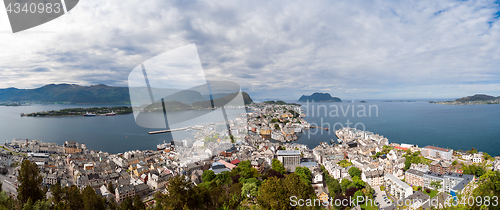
{"x":477,"y":97}
{"x":319,"y":97}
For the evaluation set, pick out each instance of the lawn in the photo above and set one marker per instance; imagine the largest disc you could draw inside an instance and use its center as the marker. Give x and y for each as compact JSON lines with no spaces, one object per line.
{"x":432,"y":193}
{"x":370,"y":206}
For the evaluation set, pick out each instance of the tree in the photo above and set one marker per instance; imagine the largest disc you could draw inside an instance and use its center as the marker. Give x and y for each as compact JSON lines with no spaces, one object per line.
{"x":207,"y":176}
{"x":305,"y":174}
{"x":333,"y":185}
{"x":454,"y":163}
{"x":111,"y":188}
{"x":359,"y":196}
{"x":57,"y":193}
{"x":344,"y":183}
{"x":138,"y":204}
{"x":74,"y":198}
{"x":30,"y":183}
{"x":249,"y":189}
{"x":278,"y":166}
{"x":353,"y":171}
{"x":127,"y":204}
{"x":91,"y":200}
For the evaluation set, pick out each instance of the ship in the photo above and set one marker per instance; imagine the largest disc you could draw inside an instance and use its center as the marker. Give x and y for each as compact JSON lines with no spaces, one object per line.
{"x":163,"y":146}
{"x":89,"y":114}
{"x":332,"y":141}
{"x":110,"y":114}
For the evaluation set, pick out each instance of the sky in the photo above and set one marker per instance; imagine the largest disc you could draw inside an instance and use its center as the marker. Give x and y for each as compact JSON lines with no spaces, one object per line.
{"x":272,"y":49}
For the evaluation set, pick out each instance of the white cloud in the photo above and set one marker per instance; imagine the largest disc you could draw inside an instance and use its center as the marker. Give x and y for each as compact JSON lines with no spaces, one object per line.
{"x":359,"y":50}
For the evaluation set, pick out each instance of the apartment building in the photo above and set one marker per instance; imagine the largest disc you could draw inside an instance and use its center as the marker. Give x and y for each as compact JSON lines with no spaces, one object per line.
{"x":437,"y":152}
{"x":414,"y":177}
{"x":396,"y":187}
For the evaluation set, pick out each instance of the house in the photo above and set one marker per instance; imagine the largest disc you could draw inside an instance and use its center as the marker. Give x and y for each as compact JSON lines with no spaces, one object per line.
{"x":373,"y":178}
{"x":218,"y":168}
{"x":141,"y":189}
{"x":333,"y":169}
{"x":477,"y":157}
{"x":440,"y":167}
{"x":123,"y":192}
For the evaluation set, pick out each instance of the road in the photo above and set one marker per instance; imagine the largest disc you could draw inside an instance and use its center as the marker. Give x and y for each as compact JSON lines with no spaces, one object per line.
{"x":9,"y":181}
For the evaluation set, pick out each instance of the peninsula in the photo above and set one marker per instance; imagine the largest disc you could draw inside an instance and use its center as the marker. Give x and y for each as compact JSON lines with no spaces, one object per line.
{"x":476,"y":99}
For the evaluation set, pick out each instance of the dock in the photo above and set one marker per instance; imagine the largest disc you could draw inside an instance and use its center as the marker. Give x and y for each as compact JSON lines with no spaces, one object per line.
{"x":326,"y":128}
{"x":168,"y":131}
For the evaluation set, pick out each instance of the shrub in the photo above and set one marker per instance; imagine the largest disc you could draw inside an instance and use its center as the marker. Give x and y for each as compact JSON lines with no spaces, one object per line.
{"x":428,"y":190}
{"x":382,"y":188}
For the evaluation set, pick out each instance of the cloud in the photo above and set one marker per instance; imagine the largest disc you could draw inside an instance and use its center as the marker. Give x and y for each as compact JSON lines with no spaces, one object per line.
{"x":358,"y":50}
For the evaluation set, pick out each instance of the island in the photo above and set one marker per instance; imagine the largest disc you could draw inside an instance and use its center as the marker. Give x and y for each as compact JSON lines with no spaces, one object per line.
{"x":280,"y":102}
{"x":476,"y":99}
{"x":319,"y":97}
{"x":104,"y":111}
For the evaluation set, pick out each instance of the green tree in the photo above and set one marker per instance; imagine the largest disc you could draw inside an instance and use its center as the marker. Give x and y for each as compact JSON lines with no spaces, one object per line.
{"x":344,"y":184}
{"x":91,"y":200}
{"x":111,"y":188}
{"x":56,"y":192}
{"x":249,"y":189}
{"x":333,"y":185}
{"x":355,"y":172}
{"x":138,"y":204}
{"x":30,"y":183}
{"x":304,"y":173}
{"x":454,"y":163}
{"x":278,"y":166}
{"x":359,"y":197}
{"x":207,"y":176}
{"x":127,"y":204}
{"x":73,"y":198}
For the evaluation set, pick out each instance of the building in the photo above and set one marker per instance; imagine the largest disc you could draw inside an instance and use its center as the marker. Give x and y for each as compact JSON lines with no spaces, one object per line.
{"x":396,"y":187}
{"x":123,"y":192}
{"x":414,"y":177}
{"x":440,"y":167}
{"x":333,"y":169}
{"x":448,"y":181}
{"x":437,"y":152}
{"x":373,"y":178}
{"x":419,"y":167}
{"x":50,"y":179}
{"x":289,"y":158}
{"x":477,"y":157}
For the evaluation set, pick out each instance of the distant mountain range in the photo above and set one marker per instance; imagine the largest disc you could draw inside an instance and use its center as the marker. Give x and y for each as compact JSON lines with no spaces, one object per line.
{"x":103,"y":94}
{"x":477,"y":97}
{"x":319,"y":97}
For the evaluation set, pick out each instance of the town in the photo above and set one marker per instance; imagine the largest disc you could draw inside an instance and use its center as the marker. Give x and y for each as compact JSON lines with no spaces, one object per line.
{"x":359,"y":163}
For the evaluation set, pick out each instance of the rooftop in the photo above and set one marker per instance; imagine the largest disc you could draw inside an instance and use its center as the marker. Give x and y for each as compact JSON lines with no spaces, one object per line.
{"x":288,"y":152}
{"x":437,"y":148}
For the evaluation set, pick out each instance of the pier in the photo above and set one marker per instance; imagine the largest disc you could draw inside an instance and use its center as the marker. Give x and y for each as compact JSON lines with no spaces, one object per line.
{"x":325,"y":128}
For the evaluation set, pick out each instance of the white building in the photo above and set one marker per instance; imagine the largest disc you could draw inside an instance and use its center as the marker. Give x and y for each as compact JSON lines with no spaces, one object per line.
{"x":437,"y":152}
{"x":289,"y":158}
{"x":333,"y":169}
{"x":477,"y":157}
{"x":397,"y":187}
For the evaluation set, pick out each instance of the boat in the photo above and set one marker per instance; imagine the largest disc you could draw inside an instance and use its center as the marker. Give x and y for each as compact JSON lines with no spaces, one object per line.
{"x":332,"y":141}
{"x":89,"y":114}
{"x":110,"y":114}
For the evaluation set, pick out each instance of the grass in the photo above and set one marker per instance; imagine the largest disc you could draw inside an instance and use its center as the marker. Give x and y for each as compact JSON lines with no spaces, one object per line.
{"x":368,"y":206}
{"x":432,"y":193}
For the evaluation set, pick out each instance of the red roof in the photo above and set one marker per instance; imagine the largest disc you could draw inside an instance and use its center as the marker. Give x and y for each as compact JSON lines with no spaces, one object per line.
{"x":437,"y":148}
{"x":235,"y":161}
{"x":403,"y":148}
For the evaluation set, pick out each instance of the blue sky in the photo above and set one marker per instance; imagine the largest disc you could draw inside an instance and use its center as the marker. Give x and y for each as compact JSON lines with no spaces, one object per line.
{"x":278,"y":49}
